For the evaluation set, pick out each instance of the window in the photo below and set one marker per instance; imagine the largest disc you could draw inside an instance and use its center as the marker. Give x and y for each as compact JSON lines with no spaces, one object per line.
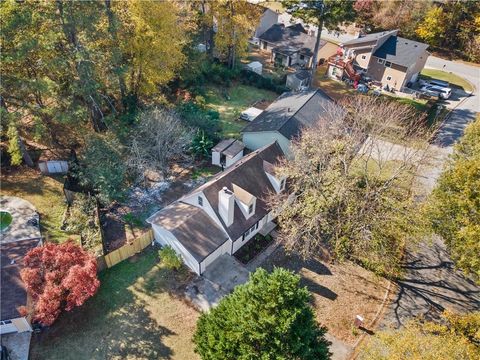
{"x":389,"y":78}
{"x":5,"y":322}
{"x":302,"y":57}
{"x":282,"y":184}
{"x":200,"y":201}
{"x":256,"y":225}
{"x":381,"y":61}
{"x":250,"y":209}
{"x":364,"y":57}
{"x":388,"y":64}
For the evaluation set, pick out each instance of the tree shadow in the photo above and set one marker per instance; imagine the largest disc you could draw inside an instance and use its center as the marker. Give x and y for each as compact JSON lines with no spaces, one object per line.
{"x":115,"y":323}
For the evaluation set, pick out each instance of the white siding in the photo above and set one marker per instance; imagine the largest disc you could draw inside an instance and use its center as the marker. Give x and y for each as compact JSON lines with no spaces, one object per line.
{"x":226,"y":248}
{"x":165,"y":237}
{"x":16,"y":325}
{"x":230,"y":161}
{"x":256,"y":140}
{"x":216,"y":158}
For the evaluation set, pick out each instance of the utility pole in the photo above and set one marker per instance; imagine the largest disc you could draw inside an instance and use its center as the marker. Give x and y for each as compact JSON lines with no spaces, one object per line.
{"x":317,"y":42}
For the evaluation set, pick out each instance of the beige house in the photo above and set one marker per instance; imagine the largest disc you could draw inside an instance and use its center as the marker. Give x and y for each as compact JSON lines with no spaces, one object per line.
{"x":384,"y":57}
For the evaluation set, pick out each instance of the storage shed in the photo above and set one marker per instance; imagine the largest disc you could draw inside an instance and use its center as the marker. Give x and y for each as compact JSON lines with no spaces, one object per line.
{"x":54,"y":161}
{"x":298,"y":80}
{"x":256,"y":67}
{"x":227,"y":152}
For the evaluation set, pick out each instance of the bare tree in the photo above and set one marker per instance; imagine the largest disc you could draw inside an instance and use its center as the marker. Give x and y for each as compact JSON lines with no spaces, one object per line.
{"x":352,"y":176}
{"x":158,"y":139}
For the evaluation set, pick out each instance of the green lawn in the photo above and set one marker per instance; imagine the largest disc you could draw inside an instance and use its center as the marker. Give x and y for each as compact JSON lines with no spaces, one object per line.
{"x":133,"y":316}
{"x":44,"y":192}
{"x":230,"y":102}
{"x":453,"y":79}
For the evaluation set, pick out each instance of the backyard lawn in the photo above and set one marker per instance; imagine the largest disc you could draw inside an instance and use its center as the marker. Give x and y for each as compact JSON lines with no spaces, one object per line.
{"x":429,"y":74}
{"x":44,"y":192}
{"x":230,"y":102}
{"x":133,"y":316}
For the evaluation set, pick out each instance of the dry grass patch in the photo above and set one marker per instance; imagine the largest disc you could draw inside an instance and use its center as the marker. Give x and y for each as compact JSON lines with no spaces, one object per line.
{"x":339,"y":292}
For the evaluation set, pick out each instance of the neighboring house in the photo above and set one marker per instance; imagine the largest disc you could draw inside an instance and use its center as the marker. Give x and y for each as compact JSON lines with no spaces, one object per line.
{"x":227,"y":152}
{"x":289,"y":45}
{"x":385,"y":57}
{"x":220,"y":216}
{"x":268,"y":18}
{"x":298,"y":80}
{"x":13,"y":292}
{"x":54,"y":161}
{"x":285,"y":118}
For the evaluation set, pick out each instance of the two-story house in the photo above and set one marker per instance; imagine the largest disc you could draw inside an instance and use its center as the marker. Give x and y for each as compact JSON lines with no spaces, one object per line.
{"x":222,"y":215}
{"x":385,"y":57}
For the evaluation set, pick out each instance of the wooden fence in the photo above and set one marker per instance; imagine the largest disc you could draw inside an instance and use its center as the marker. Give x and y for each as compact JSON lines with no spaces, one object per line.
{"x":128,"y":249}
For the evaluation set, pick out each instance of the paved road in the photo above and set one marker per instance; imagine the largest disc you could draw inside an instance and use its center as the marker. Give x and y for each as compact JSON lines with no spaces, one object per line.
{"x":431,"y":284}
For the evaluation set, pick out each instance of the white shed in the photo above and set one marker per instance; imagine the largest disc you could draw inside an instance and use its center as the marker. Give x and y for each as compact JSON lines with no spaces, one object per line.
{"x":54,"y":161}
{"x":250,"y":114}
{"x":256,"y":67}
{"x":227,"y":152}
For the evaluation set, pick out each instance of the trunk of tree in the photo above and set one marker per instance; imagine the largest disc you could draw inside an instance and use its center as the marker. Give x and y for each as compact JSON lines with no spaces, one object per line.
{"x":84,"y":70}
{"x":231,"y":50}
{"x":207,"y":30}
{"x":25,"y":155}
{"x":116,"y":53}
{"x":317,"y":47}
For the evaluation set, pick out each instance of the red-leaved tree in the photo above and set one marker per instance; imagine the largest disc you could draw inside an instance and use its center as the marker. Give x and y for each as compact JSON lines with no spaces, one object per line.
{"x":58,"y":277}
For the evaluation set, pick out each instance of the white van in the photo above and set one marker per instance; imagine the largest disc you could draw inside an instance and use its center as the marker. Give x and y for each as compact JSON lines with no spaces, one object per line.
{"x":434,"y":82}
{"x":443,"y":92}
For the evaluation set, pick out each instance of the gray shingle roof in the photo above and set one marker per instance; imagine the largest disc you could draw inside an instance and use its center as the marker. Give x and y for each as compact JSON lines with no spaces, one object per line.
{"x":401,"y":51}
{"x":291,"y":112}
{"x":13,"y":293}
{"x":371,"y":37}
{"x":290,"y":39}
{"x":195,"y":230}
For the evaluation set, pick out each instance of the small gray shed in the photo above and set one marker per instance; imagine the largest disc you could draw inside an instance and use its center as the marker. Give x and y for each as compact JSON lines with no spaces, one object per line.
{"x":54,"y":161}
{"x":298,"y":80}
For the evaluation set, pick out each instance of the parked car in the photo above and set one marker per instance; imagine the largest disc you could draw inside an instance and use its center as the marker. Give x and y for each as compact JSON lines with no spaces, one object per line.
{"x":434,"y":82}
{"x":441,"y":92}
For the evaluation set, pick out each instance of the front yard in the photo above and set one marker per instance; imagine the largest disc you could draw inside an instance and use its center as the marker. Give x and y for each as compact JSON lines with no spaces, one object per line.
{"x":339,"y":292}
{"x":230,"y":102}
{"x":135,"y":315}
{"x":455,"y":80}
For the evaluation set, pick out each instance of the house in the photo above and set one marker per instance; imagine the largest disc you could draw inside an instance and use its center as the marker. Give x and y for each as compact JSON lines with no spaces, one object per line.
{"x":285,"y":118}
{"x":298,"y":80}
{"x":227,"y":152}
{"x":268,"y":18}
{"x":384,"y":57}
{"x":13,"y":293}
{"x":289,"y":45}
{"x":54,"y":161}
{"x":222,"y":215}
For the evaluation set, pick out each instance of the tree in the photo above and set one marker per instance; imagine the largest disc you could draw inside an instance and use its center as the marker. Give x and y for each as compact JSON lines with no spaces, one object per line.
{"x":235,"y":22}
{"x":457,"y":338}
{"x":58,"y":277}
{"x":269,"y":317}
{"x":201,"y":145}
{"x":322,"y":13}
{"x":158,"y":138}
{"x":432,"y":28}
{"x":454,"y":208}
{"x":170,"y":258}
{"x":352,"y":182}
{"x":102,"y":168}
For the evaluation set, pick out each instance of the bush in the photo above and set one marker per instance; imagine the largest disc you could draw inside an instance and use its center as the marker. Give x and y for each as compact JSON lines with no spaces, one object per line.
{"x":170,"y":258}
{"x":250,"y":78}
{"x":195,"y":115}
{"x":201,"y":145}
{"x":269,"y":317}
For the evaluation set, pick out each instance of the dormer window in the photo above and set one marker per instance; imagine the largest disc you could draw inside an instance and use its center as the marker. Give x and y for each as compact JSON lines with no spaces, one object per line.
{"x":245,"y":201}
{"x":282,"y":184}
{"x":250,"y":208}
{"x":200,"y":201}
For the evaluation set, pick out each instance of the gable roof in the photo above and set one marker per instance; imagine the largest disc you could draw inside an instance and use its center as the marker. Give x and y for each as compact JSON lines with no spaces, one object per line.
{"x":249,"y":175}
{"x":291,"y":112}
{"x":290,"y":39}
{"x":371,"y":37}
{"x":13,"y":293}
{"x":401,"y":51}
{"x":195,"y":230}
